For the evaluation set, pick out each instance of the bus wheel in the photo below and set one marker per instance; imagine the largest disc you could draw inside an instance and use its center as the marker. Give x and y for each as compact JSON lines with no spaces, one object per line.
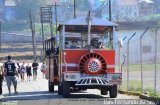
{"x":104,"y":92}
{"x":60,"y":89}
{"x":51,"y":86}
{"x":113,"y":91}
{"x":66,"y":89}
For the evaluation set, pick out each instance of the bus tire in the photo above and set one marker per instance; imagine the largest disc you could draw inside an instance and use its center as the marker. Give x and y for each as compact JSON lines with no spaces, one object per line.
{"x":104,"y":92}
{"x":51,"y":86}
{"x":113,"y":91}
{"x":60,"y":89}
{"x":66,"y":89}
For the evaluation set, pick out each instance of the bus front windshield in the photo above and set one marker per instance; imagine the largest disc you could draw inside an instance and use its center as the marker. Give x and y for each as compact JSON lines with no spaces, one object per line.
{"x":98,"y":41}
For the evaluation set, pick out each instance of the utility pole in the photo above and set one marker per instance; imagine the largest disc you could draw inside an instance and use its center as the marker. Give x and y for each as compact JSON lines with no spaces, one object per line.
{"x":0,"y":35}
{"x":46,"y":17}
{"x":110,"y":11}
{"x":56,"y":16}
{"x":155,"y":81}
{"x":89,"y":27}
{"x":42,"y":28}
{"x":110,"y":19}
{"x":56,"y":22}
{"x":33,"y":35}
{"x":50,"y":17}
{"x":117,"y":17}
{"x":74,"y":9}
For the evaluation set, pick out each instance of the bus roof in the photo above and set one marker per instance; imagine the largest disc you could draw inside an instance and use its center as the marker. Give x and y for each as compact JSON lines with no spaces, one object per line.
{"x":80,"y":25}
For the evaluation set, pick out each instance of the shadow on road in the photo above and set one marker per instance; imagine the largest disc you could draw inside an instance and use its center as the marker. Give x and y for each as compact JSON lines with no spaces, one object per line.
{"x":39,"y":95}
{"x":86,"y":96}
{"x":31,"y":96}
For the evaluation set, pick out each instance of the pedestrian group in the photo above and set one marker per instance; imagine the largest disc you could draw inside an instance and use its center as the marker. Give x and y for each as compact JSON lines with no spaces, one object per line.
{"x":11,"y":72}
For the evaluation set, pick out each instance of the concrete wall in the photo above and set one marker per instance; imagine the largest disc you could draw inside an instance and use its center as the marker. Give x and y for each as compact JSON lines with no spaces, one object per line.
{"x":134,"y":47}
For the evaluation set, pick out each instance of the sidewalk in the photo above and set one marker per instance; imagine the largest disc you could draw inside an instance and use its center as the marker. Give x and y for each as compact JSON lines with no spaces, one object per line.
{"x":27,"y":88}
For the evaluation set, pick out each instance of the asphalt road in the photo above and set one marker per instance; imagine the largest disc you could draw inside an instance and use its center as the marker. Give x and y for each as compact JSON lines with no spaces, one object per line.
{"x":36,"y":93}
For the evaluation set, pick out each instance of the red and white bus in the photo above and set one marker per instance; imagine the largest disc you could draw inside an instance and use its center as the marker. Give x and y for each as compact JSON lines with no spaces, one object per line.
{"x":82,"y":57}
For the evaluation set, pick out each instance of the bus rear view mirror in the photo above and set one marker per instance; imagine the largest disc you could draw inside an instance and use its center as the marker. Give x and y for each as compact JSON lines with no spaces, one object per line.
{"x":120,"y":42}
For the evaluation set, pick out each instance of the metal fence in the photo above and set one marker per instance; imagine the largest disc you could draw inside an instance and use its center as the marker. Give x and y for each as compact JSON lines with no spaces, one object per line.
{"x":141,"y":68}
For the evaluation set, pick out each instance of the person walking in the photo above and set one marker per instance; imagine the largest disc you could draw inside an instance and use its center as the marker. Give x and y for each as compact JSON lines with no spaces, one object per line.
{"x":29,"y":74}
{"x":10,"y":72}
{"x":35,"y":68}
{"x":1,"y":77}
{"x":43,"y":69}
{"x":19,"y":71}
{"x":22,"y":71}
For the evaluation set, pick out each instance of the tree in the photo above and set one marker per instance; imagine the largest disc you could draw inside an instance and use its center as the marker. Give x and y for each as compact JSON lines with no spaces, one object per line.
{"x":81,"y":5}
{"x":153,"y":17}
{"x":23,"y":7}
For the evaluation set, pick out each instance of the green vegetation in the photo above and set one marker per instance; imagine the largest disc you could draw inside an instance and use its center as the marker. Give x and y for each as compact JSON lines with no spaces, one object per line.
{"x":155,"y":95}
{"x":82,"y":5}
{"x":150,"y":91}
{"x":14,"y":26}
{"x":23,"y":7}
{"x":38,"y":28}
{"x":154,"y":17}
{"x":146,"y":67}
{"x":23,"y":26}
{"x":135,"y":85}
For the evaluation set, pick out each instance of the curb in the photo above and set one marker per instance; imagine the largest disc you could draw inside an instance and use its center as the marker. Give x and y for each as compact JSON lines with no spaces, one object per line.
{"x":142,"y":96}
{"x":129,"y":93}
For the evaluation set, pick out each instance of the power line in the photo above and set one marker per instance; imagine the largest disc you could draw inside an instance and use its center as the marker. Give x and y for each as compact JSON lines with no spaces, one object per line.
{"x":100,"y":6}
{"x":101,"y":10}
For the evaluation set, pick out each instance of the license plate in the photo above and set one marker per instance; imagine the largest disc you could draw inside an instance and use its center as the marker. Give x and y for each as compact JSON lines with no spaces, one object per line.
{"x":98,"y":75}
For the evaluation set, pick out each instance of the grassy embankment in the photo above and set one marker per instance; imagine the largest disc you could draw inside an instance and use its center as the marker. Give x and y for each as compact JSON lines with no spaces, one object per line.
{"x":135,"y":85}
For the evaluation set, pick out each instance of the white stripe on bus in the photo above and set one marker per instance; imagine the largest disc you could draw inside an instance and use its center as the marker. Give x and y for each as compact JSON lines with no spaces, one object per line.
{"x":76,"y":65}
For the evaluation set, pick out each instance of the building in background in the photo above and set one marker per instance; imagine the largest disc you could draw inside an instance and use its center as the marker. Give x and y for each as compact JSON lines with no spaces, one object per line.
{"x":2,"y":9}
{"x":65,"y":10}
{"x":9,"y":10}
{"x":146,"y":7}
{"x":52,"y":2}
{"x":122,"y":10}
{"x":127,"y":9}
